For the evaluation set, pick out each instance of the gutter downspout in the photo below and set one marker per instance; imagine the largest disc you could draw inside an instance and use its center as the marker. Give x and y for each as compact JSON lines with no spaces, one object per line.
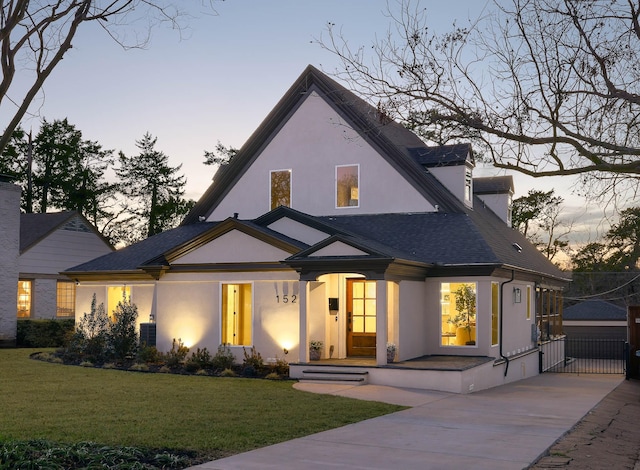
{"x":506,"y":359}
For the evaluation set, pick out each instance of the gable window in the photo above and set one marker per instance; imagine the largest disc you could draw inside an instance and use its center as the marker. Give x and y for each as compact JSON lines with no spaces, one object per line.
{"x":24,"y":298}
{"x":347,"y":186}
{"x":115,"y":295}
{"x":468,"y":182}
{"x":66,"y":299}
{"x":236,"y":314}
{"x":458,"y":313}
{"x":280,"y":184}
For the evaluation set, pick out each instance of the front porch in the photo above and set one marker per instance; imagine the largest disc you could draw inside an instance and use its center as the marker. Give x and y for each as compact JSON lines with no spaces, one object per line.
{"x":456,"y":374}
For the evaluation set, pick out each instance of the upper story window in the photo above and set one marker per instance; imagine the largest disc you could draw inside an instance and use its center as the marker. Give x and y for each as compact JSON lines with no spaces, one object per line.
{"x":468,"y":189}
{"x":347,"y":186}
{"x":280,"y":184}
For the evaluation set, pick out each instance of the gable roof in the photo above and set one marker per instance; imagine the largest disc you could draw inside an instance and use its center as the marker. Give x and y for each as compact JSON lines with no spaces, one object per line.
{"x":595,"y":310}
{"x":493,"y":185}
{"x":396,"y":144}
{"x":35,"y":227}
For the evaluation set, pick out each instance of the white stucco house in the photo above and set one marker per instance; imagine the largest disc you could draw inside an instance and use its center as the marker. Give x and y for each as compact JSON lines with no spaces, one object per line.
{"x":335,"y":224}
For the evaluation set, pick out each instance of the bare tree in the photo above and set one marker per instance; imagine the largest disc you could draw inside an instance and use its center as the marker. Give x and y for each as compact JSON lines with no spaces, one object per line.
{"x":35,"y":35}
{"x":544,"y":87}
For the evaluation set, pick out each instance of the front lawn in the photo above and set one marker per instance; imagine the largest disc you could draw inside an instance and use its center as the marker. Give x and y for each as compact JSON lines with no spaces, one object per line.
{"x":212,"y":416}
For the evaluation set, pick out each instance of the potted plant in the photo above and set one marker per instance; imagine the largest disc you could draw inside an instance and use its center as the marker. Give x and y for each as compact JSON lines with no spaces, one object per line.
{"x":315,"y":349}
{"x":391,"y":352}
{"x":465,"y":317}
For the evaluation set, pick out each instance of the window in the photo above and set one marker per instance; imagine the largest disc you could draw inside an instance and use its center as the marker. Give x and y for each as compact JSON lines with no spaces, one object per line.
{"x":115,"y":295}
{"x":24,"y":298}
{"x":280,"y":188}
{"x":236,"y":314}
{"x":347,"y":189}
{"x":528,"y":302}
{"x":66,"y":299}
{"x":495,"y":312}
{"x":548,"y":313}
{"x":458,"y":313}
{"x":468,"y":182}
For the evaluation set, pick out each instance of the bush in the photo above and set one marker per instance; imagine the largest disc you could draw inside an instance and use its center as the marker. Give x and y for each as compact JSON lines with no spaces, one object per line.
{"x":123,"y":338}
{"x":177,"y":355}
{"x":228,"y":373}
{"x":90,"y":340}
{"x":253,"y":359}
{"x":224,"y":358}
{"x":149,"y":354}
{"x":44,"y":333}
{"x":281,"y":367}
{"x":200,"y":359}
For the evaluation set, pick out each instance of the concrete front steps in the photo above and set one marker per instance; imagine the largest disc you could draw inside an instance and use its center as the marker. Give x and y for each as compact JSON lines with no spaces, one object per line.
{"x":335,"y":376}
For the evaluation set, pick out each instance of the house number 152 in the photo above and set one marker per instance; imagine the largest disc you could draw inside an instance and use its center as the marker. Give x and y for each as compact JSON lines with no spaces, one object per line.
{"x":286,"y":299}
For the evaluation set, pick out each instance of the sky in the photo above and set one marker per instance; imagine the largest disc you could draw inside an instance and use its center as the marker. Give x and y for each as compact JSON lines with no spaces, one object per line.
{"x":218,"y":79}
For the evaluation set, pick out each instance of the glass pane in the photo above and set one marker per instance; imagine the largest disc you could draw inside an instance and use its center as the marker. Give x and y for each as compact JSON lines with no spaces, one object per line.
{"x":358,"y":290}
{"x":370,"y":324}
{"x":370,"y":307}
{"x":280,"y":188}
{"x":358,"y":324}
{"x":347,"y":186}
{"x":24,"y":299}
{"x":358,"y":307}
{"x":371,"y":289}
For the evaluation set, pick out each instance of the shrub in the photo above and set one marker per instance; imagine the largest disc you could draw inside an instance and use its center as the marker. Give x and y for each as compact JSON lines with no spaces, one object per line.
{"x":139,"y":367}
{"x":149,"y":354}
{"x":164,"y":370}
{"x":86,"y":364}
{"x":177,"y":355}
{"x":273,"y":376}
{"x":123,"y":338}
{"x":253,"y":359}
{"x":228,"y":373}
{"x":224,"y":358}
{"x":280,"y":367}
{"x":202,"y":372}
{"x":200,"y":359}
{"x":44,"y":333}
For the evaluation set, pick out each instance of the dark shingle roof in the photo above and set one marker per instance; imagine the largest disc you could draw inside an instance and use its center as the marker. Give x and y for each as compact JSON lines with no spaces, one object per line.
{"x":493,"y":185}
{"x":442,"y":155}
{"x":35,"y":227}
{"x":594,"y":310}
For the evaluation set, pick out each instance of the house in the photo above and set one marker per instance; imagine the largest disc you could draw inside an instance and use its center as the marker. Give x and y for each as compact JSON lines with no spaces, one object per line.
{"x":595,"y":319}
{"x":49,"y":244}
{"x":335,"y":224}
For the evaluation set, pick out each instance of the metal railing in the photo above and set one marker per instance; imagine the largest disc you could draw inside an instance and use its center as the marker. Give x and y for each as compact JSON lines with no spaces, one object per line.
{"x":584,"y":356}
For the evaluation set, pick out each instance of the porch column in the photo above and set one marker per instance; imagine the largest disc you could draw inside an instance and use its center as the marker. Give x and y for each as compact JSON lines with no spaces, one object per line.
{"x":381,"y":322}
{"x":303,"y":351}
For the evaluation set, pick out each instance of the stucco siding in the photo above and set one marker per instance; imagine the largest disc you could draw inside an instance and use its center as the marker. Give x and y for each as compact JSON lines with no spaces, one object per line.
{"x":61,"y":250}
{"x":298,"y":231}
{"x":311,"y":143}
{"x":413,"y":333}
{"x":233,"y":247}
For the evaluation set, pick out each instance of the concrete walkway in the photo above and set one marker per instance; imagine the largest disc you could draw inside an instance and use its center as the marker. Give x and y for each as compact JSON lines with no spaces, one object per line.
{"x":506,"y":427}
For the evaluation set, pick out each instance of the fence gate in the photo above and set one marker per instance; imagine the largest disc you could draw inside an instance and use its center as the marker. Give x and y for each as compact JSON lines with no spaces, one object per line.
{"x":584,"y":356}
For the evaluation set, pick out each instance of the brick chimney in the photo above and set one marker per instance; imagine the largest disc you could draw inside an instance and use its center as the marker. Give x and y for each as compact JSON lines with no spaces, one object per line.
{"x":9,"y":253}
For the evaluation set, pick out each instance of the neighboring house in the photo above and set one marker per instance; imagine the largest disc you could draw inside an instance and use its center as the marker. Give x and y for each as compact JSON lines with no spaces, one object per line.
{"x":49,"y":244}
{"x":595,"y":319}
{"x":335,"y":224}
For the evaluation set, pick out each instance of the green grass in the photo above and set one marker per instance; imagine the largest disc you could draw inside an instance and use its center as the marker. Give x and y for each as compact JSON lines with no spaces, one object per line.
{"x":213,"y":416}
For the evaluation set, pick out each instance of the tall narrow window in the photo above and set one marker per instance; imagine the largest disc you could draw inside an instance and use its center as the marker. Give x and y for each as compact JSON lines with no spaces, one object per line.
{"x":528,"y":302}
{"x":66,"y":299}
{"x":114,"y":295}
{"x":458,"y":313}
{"x":347,"y":186}
{"x":24,"y":298}
{"x":468,"y":185}
{"x":495,"y":312}
{"x":236,"y":314}
{"x":280,"y":188}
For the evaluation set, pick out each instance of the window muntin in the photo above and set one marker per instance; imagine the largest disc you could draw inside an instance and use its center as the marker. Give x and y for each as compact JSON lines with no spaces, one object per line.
{"x":347,"y":186}
{"x":25,"y":289}
{"x":495,"y":312}
{"x":280,"y":188}
{"x":236,"y":319}
{"x":458,"y":313}
{"x":65,"y":299}
{"x":364,"y":307}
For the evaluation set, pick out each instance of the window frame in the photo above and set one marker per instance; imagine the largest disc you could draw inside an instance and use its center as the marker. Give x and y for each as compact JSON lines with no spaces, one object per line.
{"x":59,"y":306}
{"x":336,"y":187}
{"x":495,"y":313}
{"x":447,"y":304}
{"x":29,"y":295}
{"x":289,"y":171}
{"x":221,"y":317}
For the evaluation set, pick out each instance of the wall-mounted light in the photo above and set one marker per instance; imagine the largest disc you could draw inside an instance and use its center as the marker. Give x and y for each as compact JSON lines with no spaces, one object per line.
{"x":286,"y":351}
{"x":152,"y":318}
{"x":517,"y":295}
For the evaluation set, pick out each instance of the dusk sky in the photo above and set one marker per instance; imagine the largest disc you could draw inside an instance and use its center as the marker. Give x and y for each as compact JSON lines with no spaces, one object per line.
{"x":222,"y":78}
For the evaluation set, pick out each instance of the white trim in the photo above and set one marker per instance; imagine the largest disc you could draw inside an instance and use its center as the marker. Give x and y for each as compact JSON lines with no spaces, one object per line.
{"x":290,"y":170}
{"x":335,"y":186}
{"x":253,"y":308}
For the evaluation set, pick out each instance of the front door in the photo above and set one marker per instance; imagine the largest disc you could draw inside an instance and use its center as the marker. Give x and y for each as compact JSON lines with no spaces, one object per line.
{"x":361,"y":317}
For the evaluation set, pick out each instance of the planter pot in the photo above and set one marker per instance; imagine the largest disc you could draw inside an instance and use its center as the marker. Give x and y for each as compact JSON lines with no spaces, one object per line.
{"x":391,"y":355}
{"x":465,"y":335}
{"x":314,"y":354}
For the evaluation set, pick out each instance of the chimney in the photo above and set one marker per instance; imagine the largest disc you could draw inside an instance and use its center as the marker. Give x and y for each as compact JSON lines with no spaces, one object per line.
{"x":9,"y":253}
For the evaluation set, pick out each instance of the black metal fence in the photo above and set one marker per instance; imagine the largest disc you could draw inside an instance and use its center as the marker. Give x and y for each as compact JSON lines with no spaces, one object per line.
{"x":584,"y":356}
